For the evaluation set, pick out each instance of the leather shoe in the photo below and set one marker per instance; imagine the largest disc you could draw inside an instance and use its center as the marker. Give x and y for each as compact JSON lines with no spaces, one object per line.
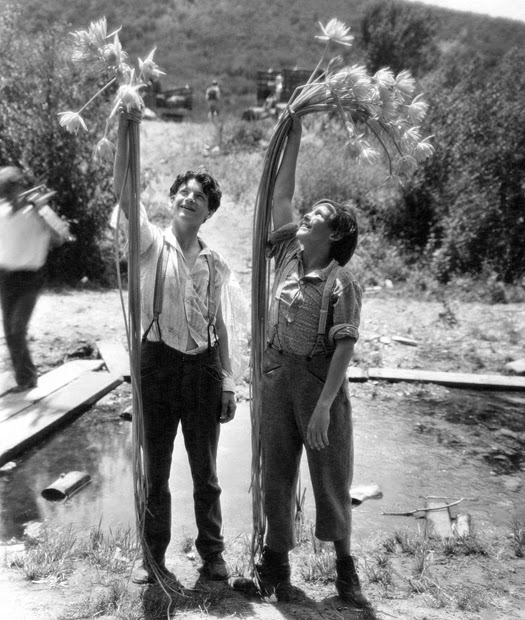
{"x":214,"y":568}
{"x":146,"y":576}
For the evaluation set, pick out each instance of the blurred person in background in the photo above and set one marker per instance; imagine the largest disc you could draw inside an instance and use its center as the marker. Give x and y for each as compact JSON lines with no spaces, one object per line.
{"x":213,"y":99}
{"x":29,"y":228}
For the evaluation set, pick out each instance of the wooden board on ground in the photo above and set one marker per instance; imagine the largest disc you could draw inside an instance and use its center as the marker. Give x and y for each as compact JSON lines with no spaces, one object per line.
{"x":27,"y":427}
{"x":449,"y":379}
{"x":355,"y":373}
{"x":115,"y":357}
{"x":48,"y":383}
{"x":7,"y":381}
{"x":438,"y":522}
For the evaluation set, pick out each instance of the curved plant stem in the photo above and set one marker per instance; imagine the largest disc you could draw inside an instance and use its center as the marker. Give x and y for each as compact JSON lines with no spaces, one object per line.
{"x":97,"y":94}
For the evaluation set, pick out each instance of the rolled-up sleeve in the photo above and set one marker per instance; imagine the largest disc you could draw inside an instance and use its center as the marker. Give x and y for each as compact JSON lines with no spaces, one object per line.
{"x":281,"y":242}
{"x":347,"y":312}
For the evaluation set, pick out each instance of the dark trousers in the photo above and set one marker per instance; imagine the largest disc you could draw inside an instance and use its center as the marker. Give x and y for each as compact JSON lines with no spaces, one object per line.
{"x":19,"y":292}
{"x":177,"y":387}
{"x":291,"y":388}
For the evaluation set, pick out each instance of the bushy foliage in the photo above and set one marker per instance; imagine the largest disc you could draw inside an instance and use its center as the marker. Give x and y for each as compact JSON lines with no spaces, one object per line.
{"x":37,"y":82}
{"x":399,"y":35}
{"x":466,"y":208}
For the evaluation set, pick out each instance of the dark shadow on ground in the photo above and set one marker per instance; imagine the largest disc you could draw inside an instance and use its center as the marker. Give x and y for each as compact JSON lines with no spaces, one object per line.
{"x":214,"y":601}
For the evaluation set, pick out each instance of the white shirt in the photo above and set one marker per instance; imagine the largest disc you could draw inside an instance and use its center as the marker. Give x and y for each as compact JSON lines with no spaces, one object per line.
{"x":24,"y":238}
{"x":185,"y":298}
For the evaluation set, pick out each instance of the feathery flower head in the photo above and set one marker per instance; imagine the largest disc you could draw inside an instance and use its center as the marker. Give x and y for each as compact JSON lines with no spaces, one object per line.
{"x":98,"y":32}
{"x":113,"y":54}
{"x":72,"y":121}
{"x":424,"y":150}
{"x":385,"y":78}
{"x":417,"y":110}
{"x":337,"y":32}
{"x":104,"y":150}
{"x":83,"y":49}
{"x":369,"y":156}
{"x":148,"y":68}
{"x":335,"y":63}
{"x":405,"y":84}
{"x":89,"y":43}
{"x":411,"y":136}
{"x":128,"y":95}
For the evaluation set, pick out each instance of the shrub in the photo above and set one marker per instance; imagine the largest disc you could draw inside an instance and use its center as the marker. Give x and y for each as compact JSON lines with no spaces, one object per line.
{"x":38,"y":81}
{"x":465,"y":209}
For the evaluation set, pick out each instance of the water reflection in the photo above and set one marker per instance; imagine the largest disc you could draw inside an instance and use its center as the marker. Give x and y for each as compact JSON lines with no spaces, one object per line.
{"x":389,"y":452}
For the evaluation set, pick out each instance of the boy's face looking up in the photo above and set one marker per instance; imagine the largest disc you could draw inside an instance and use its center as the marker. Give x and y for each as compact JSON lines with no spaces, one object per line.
{"x":190,"y":203}
{"x":315,"y":227}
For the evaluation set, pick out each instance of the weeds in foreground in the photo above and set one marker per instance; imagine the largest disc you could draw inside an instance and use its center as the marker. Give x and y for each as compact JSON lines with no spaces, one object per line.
{"x":407,"y":563}
{"x":112,"y":551}
{"x":51,"y":555}
{"x":471,"y":599}
{"x":465,"y":545}
{"x":319,"y":567}
{"x":518,"y":537}
{"x":112,"y":600}
{"x":380,"y":571}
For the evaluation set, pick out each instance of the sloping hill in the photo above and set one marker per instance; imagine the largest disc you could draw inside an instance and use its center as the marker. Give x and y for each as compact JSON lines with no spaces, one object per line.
{"x":231,"y":39}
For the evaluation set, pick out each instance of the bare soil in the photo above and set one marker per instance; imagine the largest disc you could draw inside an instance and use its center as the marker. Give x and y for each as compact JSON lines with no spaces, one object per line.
{"x":449,"y":336}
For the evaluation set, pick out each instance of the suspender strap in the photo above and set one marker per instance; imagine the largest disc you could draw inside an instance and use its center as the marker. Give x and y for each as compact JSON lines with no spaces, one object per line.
{"x":158,"y":294}
{"x":323,"y":316}
{"x":320,"y":341}
{"x":160,"y":277}
{"x":211,"y":299}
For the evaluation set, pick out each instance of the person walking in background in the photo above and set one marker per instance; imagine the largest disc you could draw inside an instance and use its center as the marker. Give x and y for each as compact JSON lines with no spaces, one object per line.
{"x":213,"y":99}
{"x":28,"y":230}
{"x":312,"y":328}
{"x":187,"y":361}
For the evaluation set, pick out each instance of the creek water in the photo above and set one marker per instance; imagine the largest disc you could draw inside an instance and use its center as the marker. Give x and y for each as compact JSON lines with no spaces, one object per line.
{"x":389,"y":452}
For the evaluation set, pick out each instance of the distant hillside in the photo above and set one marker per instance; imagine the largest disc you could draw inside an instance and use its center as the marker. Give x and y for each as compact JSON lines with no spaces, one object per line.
{"x":231,"y":39}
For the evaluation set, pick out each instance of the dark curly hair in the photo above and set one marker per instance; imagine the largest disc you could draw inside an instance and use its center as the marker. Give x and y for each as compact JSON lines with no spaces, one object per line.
{"x":343,"y":221}
{"x":210,"y":186}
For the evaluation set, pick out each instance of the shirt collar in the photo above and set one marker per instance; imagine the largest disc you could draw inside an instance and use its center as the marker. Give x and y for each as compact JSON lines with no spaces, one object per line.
{"x":317,"y":274}
{"x":170,"y":238}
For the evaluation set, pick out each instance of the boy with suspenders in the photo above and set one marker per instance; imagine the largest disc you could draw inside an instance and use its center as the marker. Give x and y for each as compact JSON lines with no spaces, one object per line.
{"x":186,"y":373}
{"x":313,"y":326}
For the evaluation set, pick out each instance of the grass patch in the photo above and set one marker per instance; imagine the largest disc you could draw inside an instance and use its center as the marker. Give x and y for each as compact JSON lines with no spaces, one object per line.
{"x":518,"y":537}
{"x":51,"y":555}
{"x":112,"y":551}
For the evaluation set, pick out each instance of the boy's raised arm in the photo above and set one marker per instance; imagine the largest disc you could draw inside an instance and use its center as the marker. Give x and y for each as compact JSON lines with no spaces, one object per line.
{"x":285,"y":182}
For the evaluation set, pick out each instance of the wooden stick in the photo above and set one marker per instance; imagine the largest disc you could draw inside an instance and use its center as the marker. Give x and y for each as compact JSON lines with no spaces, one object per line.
{"x":413,"y":512}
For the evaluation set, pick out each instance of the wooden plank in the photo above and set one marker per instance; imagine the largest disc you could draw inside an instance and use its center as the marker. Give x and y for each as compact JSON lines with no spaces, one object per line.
{"x":48,"y":383}
{"x":438,"y":522}
{"x":7,"y":381}
{"x":354,"y":373}
{"x":450,"y":379}
{"x":30,"y":425}
{"x":115,"y":357}
{"x":461,"y":526}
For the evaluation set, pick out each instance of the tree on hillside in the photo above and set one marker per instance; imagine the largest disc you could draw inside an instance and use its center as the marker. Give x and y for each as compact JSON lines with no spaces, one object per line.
{"x":38,"y":81}
{"x":400,"y":36}
{"x":466,"y":207}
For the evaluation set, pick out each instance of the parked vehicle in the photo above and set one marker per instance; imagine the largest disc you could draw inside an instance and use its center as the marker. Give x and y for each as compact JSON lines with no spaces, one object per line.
{"x":174,"y":104}
{"x":274,"y":89}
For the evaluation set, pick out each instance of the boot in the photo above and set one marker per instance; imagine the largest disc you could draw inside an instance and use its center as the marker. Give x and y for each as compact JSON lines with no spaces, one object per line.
{"x":274,"y":574}
{"x":347,"y":584}
{"x":273,"y":571}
